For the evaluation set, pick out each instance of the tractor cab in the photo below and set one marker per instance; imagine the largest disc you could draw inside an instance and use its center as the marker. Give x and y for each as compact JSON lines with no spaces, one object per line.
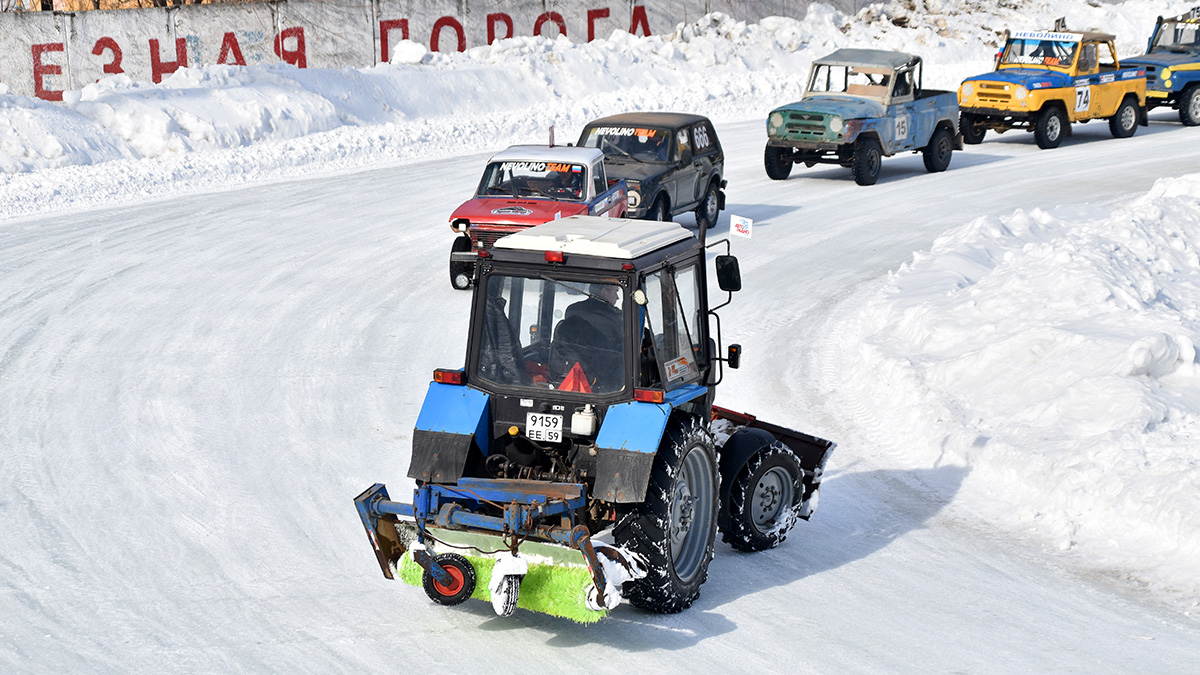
{"x":579,"y":317}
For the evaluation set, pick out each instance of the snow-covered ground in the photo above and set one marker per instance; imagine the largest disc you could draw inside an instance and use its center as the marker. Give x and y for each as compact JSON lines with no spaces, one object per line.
{"x":221,"y":298}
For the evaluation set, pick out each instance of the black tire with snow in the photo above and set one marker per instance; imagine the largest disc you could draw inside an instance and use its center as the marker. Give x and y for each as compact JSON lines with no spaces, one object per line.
{"x":709,"y":208}
{"x":1189,"y":106}
{"x":674,"y":527}
{"x":462,"y":580}
{"x":778,"y":162}
{"x":1050,"y":127}
{"x":937,"y":154}
{"x":865,"y":164}
{"x":972,"y":135}
{"x":458,"y":270}
{"x":1125,"y":122}
{"x":764,"y":499}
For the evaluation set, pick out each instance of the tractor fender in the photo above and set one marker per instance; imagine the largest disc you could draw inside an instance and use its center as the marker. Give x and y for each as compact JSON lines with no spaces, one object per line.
{"x":742,"y":445}
{"x":628,"y":441}
{"x":453,"y":419}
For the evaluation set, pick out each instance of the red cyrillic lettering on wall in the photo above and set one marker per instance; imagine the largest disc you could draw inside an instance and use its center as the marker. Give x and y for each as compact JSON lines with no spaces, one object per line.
{"x":40,"y":70}
{"x":385,"y":30}
{"x":296,"y":56}
{"x":108,"y":44}
{"x":549,"y":16}
{"x":230,"y":47}
{"x":499,"y":17}
{"x":592,"y":15}
{"x":639,"y":19}
{"x":158,"y":67}
{"x":447,"y":22}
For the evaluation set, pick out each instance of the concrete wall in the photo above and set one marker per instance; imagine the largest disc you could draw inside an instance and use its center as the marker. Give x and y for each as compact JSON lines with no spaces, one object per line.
{"x":42,"y":54}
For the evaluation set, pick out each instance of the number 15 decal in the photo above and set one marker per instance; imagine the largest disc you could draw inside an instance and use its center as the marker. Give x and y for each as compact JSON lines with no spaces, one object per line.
{"x":900,"y":129}
{"x":1083,"y":99}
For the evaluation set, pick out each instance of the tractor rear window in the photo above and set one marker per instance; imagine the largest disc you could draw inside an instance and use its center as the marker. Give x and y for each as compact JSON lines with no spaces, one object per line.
{"x":642,"y":144}
{"x":1032,"y":52}
{"x":553,"y":334}
{"x":540,"y":180}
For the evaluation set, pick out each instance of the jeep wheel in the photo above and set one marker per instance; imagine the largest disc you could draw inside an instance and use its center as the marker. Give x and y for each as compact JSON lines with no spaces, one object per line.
{"x":972,"y":135}
{"x":778,"y":162}
{"x":709,"y":208}
{"x":1125,"y":122}
{"x":937,"y":153}
{"x":461,"y":272}
{"x":659,"y":210}
{"x":1049,"y":127}
{"x":674,"y":527}
{"x":865,"y":163}
{"x":1189,"y":106}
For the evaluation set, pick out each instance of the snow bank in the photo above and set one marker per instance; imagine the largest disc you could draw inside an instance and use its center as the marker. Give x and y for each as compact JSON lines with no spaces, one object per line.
{"x":1054,"y":354}
{"x":215,"y":125}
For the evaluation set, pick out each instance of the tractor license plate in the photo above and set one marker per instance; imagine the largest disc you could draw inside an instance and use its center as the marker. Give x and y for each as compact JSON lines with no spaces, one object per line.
{"x":539,"y":427}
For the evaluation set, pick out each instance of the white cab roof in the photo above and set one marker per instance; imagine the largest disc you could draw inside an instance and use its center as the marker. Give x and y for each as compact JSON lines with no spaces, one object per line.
{"x":545,"y":153}
{"x":620,"y":238}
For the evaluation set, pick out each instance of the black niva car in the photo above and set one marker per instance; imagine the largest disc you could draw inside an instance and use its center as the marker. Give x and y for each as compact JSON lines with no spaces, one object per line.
{"x":672,"y":163}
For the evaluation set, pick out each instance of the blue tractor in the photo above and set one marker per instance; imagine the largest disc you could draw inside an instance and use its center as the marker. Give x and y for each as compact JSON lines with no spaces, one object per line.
{"x":581,"y":431}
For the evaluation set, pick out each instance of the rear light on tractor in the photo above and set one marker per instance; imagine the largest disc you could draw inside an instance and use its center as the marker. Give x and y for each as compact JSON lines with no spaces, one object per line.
{"x":445,"y":376}
{"x":648,"y":395}
{"x":554,"y":257}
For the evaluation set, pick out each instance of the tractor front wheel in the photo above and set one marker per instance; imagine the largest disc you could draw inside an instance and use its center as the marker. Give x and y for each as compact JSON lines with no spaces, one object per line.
{"x":674,"y":527}
{"x":763,"y":500}
{"x":460,"y":586}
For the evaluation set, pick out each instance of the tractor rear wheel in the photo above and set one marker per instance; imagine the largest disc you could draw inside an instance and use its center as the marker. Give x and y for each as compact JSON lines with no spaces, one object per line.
{"x":462,"y":580}
{"x":763,"y":500}
{"x":674,"y":527}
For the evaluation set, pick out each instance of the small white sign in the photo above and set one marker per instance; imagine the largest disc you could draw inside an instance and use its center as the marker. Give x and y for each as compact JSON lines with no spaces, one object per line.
{"x":740,"y":226}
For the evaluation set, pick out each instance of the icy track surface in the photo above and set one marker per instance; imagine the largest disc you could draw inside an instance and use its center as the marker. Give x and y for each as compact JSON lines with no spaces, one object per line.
{"x":197,"y":380}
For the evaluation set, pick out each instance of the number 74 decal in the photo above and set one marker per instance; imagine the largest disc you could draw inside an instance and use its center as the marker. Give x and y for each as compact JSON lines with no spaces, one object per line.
{"x":1083,"y":98}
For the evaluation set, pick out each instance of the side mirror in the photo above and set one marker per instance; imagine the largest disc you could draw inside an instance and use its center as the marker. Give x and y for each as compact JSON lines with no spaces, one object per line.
{"x":734,"y":358}
{"x":729,"y":275}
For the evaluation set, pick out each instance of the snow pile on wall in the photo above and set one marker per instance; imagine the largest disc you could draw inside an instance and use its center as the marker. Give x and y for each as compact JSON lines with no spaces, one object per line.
{"x":276,"y":120}
{"x":1054,"y":354}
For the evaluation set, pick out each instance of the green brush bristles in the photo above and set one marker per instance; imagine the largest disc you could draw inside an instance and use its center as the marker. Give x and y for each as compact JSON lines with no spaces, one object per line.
{"x":557,"y":590}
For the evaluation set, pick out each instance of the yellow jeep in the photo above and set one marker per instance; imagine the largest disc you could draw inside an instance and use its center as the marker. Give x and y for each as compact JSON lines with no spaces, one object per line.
{"x":1045,"y":80}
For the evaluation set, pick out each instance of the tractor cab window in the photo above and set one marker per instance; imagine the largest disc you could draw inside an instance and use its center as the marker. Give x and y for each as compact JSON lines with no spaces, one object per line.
{"x":669,"y":335}
{"x":539,"y":180}
{"x":553,"y":334}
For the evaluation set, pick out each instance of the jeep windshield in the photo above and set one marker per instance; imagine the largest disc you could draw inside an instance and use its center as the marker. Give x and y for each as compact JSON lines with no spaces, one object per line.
{"x":866,"y":81}
{"x":1035,"y":52}
{"x":1177,"y":38}
{"x":559,"y":181}
{"x":641,"y":144}
{"x":552,"y":334}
